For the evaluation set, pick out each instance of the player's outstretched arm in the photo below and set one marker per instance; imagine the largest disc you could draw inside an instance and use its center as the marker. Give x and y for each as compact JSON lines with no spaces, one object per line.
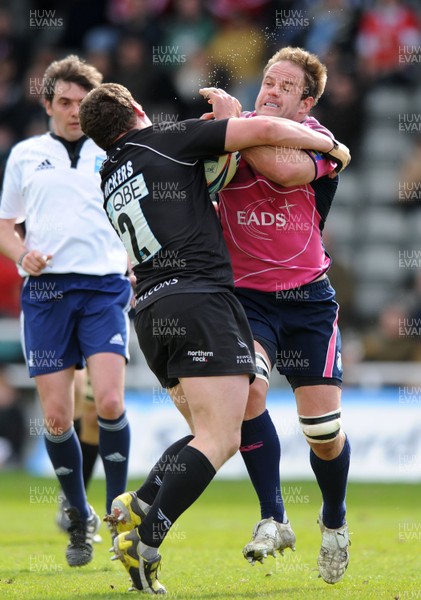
{"x":285,"y":134}
{"x":274,"y":131}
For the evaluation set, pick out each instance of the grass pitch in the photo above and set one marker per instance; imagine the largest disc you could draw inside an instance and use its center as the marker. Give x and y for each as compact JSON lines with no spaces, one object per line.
{"x":202,"y":557}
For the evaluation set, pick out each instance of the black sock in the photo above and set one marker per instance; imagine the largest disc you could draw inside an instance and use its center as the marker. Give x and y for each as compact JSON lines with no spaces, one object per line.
{"x":152,"y":484}
{"x":185,"y":480}
{"x":89,"y":456}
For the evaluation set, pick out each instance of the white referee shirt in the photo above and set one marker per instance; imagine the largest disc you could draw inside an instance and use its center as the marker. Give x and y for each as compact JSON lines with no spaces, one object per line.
{"x":61,"y":205}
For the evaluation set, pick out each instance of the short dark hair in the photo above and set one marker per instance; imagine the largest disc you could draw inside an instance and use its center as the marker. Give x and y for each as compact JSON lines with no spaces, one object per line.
{"x":73,"y":70}
{"x":107,"y":112}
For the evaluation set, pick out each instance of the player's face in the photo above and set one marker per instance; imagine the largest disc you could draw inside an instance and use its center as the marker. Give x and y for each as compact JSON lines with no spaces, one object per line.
{"x":64,"y":110}
{"x":281,"y":92}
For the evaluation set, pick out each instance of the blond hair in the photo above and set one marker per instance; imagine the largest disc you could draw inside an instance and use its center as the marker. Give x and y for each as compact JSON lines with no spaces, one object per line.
{"x":315,"y":72}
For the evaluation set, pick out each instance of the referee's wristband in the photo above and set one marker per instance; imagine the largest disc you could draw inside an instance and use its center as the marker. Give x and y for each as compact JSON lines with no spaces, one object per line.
{"x":21,"y":257}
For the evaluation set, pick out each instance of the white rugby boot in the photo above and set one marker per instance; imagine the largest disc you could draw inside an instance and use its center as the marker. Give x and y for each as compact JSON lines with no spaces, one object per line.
{"x":268,"y":537}
{"x":334,"y":556}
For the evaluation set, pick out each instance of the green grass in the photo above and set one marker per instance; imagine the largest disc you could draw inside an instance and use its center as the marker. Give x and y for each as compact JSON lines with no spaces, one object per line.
{"x":202,"y":554}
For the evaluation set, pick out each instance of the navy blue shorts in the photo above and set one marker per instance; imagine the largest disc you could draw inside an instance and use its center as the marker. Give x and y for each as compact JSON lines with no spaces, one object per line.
{"x":67,"y":318}
{"x":298,"y":329}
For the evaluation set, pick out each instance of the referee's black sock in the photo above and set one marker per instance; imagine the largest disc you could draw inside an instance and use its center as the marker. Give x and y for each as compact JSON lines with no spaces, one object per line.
{"x":184,"y":481}
{"x":152,"y":484}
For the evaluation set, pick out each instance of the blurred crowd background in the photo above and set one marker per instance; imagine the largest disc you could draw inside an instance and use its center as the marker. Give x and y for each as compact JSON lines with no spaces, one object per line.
{"x":165,"y":50}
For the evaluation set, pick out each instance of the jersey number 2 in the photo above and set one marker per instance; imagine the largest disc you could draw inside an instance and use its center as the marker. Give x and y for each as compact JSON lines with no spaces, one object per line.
{"x":125,"y":222}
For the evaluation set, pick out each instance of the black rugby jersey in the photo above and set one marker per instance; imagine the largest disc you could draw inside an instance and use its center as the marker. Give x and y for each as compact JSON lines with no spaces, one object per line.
{"x":156,"y":198}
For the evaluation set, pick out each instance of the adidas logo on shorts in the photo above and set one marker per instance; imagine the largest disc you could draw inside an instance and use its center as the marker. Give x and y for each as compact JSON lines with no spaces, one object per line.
{"x":117,"y":339}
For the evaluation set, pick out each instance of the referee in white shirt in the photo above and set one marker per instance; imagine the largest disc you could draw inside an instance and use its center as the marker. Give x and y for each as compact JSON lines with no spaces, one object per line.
{"x":76,"y":296}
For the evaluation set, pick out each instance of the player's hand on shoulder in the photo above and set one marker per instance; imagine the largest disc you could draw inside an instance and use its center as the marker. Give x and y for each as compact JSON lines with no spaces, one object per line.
{"x":340,"y":155}
{"x":223,"y":104}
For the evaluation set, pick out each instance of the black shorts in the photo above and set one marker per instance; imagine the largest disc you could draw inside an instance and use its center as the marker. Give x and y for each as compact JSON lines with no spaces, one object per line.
{"x":195,"y":335}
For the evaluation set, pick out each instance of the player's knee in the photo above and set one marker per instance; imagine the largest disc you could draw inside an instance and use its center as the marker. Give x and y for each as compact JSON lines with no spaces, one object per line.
{"x":228,"y":441}
{"x":321,"y":429}
{"x":110,"y":405}
{"x":57,"y":424}
{"x":262,"y":368}
{"x":256,"y":402}
{"x":232,"y":444}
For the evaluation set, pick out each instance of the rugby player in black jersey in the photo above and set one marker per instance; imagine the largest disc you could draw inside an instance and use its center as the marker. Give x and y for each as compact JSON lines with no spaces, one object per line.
{"x":192,"y":331}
